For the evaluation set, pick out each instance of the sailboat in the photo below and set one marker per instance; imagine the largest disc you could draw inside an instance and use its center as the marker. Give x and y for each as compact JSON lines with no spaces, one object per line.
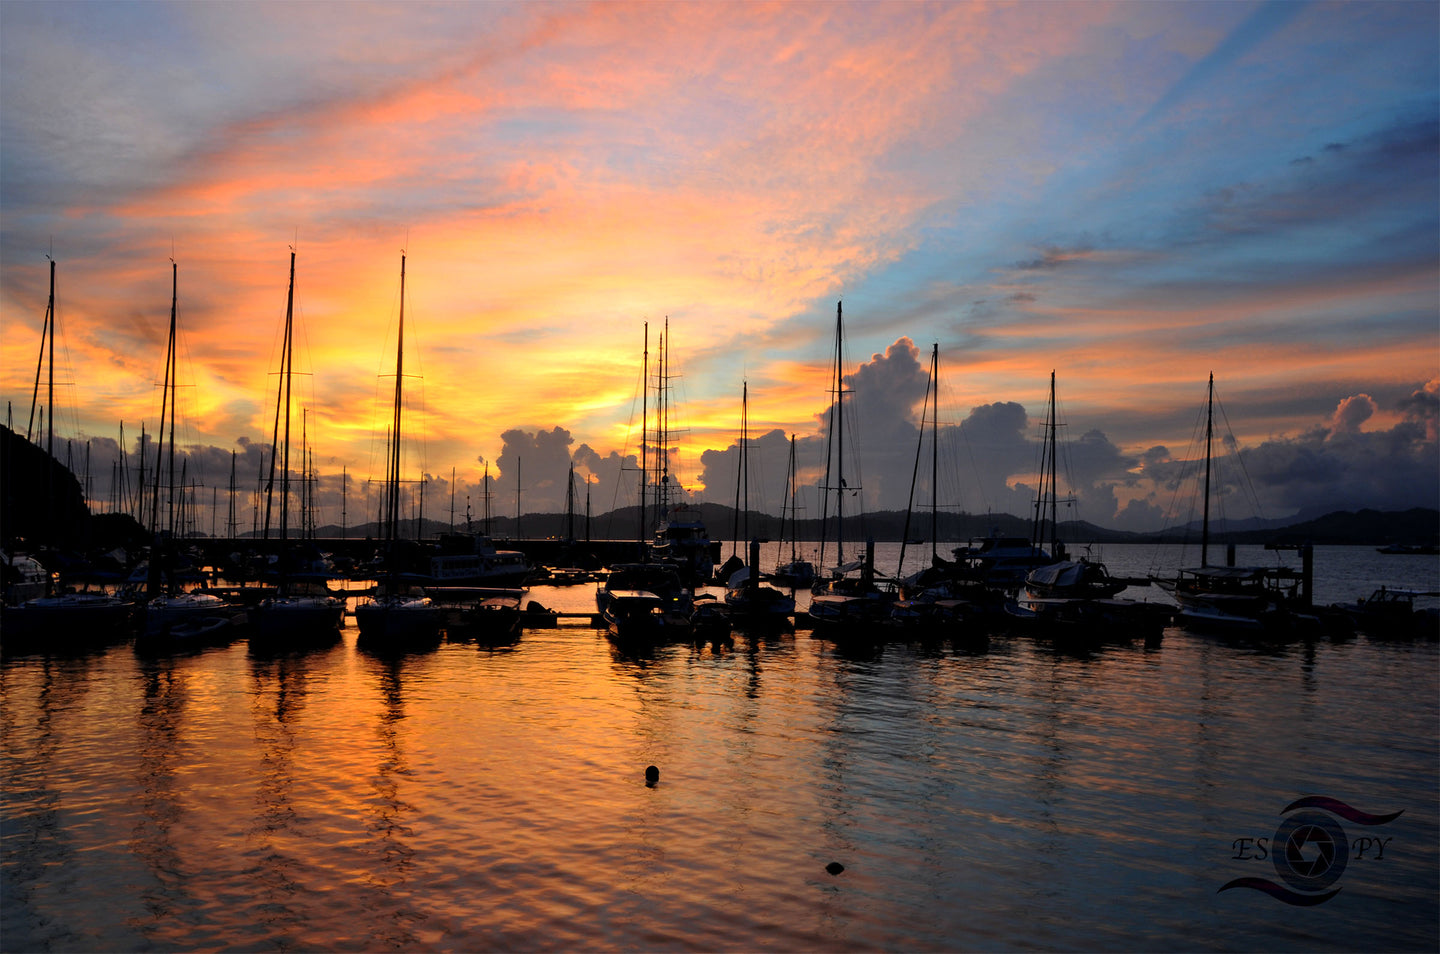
{"x":174,"y":617}
{"x":1074,"y":598}
{"x":645,"y":602}
{"x":936,"y":602}
{"x":847,"y":603}
{"x":57,"y":618}
{"x":1266,"y":601}
{"x":394,"y":619}
{"x":795,"y":572}
{"x":748,"y":599}
{"x":579,"y":568}
{"x":293,"y":617}
{"x":681,"y":537}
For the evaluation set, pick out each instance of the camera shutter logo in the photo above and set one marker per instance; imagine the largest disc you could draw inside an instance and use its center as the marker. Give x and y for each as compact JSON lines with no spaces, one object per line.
{"x":1310,"y":851}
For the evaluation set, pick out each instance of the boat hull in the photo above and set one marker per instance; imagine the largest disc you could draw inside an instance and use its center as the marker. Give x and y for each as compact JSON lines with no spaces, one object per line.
{"x":398,"y":624}
{"x":71,"y":619}
{"x":493,"y":620}
{"x":165,"y":613}
{"x":295,"y":622}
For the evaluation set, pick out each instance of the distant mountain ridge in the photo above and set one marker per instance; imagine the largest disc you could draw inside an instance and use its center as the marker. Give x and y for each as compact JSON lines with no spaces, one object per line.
{"x":43,"y":505}
{"x":1363,"y":528}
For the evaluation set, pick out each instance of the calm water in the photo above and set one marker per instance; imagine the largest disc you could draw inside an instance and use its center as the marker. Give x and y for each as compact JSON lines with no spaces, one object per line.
{"x":1000,"y":796}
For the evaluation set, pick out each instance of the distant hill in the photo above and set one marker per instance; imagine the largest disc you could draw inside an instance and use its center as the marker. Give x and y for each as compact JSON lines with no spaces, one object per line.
{"x":41,"y":504}
{"x":1363,"y":528}
{"x":40,"y":499}
{"x":30,"y":479}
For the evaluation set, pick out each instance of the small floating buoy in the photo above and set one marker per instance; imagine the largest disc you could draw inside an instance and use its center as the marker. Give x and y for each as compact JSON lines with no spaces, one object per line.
{"x":834,"y":867}
{"x":652,"y":775}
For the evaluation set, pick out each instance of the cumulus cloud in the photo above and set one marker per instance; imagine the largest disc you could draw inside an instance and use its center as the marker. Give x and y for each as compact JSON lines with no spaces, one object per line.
{"x":1422,"y":408}
{"x":537,"y":463}
{"x":987,"y":465}
{"x":1351,"y":413}
{"x":768,"y":467}
{"x":1333,"y":466}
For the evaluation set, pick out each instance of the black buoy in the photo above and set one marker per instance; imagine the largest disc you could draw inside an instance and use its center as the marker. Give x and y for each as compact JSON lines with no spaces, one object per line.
{"x":652,"y":775}
{"x":834,"y":867}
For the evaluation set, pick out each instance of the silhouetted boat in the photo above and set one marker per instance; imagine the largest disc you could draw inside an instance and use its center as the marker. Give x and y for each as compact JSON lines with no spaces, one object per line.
{"x":394,"y":619}
{"x":644,"y":602}
{"x":25,"y":578}
{"x":1390,"y":613}
{"x":1264,"y":602}
{"x":1077,"y":599}
{"x":493,"y":618}
{"x":470,"y":559}
{"x":937,"y":602}
{"x":751,"y":603}
{"x":484,"y":614}
{"x":850,"y":606}
{"x":681,"y":537}
{"x":1410,"y":549}
{"x":48,"y":620}
{"x":846,"y":604}
{"x":795,"y":572}
{"x":748,"y":600}
{"x":300,"y":614}
{"x":1000,"y":562}
{"x":68,"y":621}
{"x":1074,"y":599}
{"x":1242,"y":600}
{"x":183,"y":616}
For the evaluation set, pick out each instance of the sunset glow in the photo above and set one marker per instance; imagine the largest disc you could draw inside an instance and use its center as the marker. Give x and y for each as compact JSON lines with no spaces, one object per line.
{"x":1131,"y":195}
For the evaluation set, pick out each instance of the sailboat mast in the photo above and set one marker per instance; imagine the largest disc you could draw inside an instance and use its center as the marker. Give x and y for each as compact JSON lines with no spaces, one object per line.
{"x":50,"y":399}
{"x":47,"y":330}
{"x":745,"y":455}
{"x":287,"y":364}
{"x":392,"y":474}
{"x":140,"y":484}
{"x":794,"y":522}
{"x":662,"y":429}
{"x":644,"y":423}
{"x":840,"y":439}
{"x":1047,"y":492}
{"x":735,"y":517}
{"x":1209,"y":433}
{"x":305,"y":474}
{"x":167,"y":403}
{"x":172,"y":372}
{"x":232,"y":530}
{"x":1054,"y":485}
{"x":570,"y":505}
{"x":934,"y":451}
{"x":915,"y":470}
{"x":122,"y":493}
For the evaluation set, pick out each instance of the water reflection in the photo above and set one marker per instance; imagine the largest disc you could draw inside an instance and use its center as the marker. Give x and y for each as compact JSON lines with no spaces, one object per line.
{"x":464,"y":800}
{"x":394,"y":917}
{"x":158,"y":755}
{"x":278,"y":696}
{"x":1057,"y":704}
{"x":38,"y":847}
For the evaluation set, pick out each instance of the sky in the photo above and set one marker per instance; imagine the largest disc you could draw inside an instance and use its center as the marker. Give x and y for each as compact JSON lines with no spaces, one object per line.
{"x":1131,"y":196}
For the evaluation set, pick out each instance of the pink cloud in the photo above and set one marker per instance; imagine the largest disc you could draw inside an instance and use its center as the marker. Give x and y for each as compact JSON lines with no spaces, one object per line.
{"x":1352,"y":412}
